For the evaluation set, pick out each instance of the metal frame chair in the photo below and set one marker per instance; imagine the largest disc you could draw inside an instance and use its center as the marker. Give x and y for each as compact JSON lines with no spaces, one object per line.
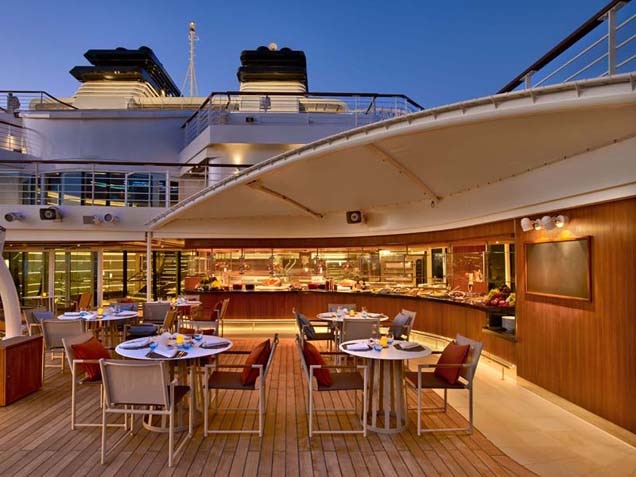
{"x":343,"y":381}
{"x":53,"y":332}
{"x":359,"y":328}
{"x":142,"y":387}
{"x":406,"y":329}
{"x":231,"y":381}
{"x":328,"y":336}
{"x":421,"y":380}
{"x":76,"y":378}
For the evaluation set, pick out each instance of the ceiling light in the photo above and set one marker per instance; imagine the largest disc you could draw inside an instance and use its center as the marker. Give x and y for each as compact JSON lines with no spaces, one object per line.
{"x":547,"y":222}
{"x":527,"y":225}
{"x":560,"y":220}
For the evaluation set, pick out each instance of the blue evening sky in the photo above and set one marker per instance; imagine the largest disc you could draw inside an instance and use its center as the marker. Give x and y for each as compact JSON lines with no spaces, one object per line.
{"x":436,"y":52}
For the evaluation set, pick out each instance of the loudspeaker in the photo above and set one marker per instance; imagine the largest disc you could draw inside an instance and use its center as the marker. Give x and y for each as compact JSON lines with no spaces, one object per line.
{"x":354,"y":217}
{"x":50,"y":213}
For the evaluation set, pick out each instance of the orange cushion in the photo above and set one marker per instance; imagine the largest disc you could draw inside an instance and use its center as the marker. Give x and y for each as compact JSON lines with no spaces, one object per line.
{"x":92,"y":349}
{"x":313,"y":357}
{"x":452,"y":354}
{"x":258,"y":355}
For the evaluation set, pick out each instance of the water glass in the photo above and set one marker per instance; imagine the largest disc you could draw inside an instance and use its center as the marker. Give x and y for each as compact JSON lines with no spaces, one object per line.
{"x":389,"y":337}
{"x":364,"y":312}
{"x":153,"y":345}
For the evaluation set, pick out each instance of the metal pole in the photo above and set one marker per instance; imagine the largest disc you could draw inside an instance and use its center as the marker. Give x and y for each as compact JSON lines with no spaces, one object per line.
{"x":611,"y":41}
{"x":148,"y":266}
{"x":51,"y":285}
{"x":100,"y":277}
{"x":528,"y":80}
{"x":167,"y":189}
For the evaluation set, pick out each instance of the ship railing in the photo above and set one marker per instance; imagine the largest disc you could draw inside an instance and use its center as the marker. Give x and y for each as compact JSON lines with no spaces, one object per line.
{"x":16,"y":138}
{"x":604,"y":45}
{"x":357,"y":108}
{"x":14,"y":101}
{"x":114,"y":184}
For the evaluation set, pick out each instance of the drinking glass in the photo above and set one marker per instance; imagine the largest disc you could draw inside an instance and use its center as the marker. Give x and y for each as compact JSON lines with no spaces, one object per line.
{"x":198,"y":336}
{"x":389,"y":337}
{"x":364,"y":312}
{"x":153,"y":345}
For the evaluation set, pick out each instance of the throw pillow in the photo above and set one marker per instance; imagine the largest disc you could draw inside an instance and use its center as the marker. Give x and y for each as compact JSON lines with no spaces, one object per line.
{"x":399,"y":325}
{"x":452,"y":354}
{"x":259,"y":355}
{"x":312,"y":357}
{"x":305,"y":325}
{"x":92,"y":349}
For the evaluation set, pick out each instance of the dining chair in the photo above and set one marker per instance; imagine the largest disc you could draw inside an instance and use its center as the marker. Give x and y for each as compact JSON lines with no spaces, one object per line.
{"x":320,"y":379}
{"x":79,"y":374}
{"x":142,"y":387}
{"x":462,"y":369}
{"x":251,"y":377}
{"x":53,"y":331}
{"x":34,"y":318}
{"x":359,"y":328}
{"x":143,"y":330}
{"x":402,"y":325}
{"x":333,"y":307}
{"x":84,"y":301}
{"x":308,"y":332}
{"x":221,"y":314}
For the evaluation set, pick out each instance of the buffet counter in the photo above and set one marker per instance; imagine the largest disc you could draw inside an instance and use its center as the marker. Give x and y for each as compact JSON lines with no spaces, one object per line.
{"x":436,"y":316}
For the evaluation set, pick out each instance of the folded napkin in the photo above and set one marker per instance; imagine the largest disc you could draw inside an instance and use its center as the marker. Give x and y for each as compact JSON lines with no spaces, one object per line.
{"x":409,"y":346}
{"x":217,"y":345}
{"x":358,"y":347}
{"x":72,"y":313}
{"x":374,"y":315}
{"x":163,"y":352}
{"x":136,"y":344}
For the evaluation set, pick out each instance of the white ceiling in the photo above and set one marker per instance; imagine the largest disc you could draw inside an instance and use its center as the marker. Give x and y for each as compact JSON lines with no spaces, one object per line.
{"x":482,"y":160}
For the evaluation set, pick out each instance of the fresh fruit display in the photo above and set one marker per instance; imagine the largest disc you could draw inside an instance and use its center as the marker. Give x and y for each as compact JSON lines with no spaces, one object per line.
{"x":501,"y":297}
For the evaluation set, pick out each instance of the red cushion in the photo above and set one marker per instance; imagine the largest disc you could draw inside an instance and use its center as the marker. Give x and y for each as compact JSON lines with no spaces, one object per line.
{"x":258,"y":355}
{"x":92,"y":349}
{"x":452,"y":354}
{"x":313,"y":357}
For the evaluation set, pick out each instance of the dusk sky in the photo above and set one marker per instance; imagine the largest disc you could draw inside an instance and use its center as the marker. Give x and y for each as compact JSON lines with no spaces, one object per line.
{"x":436,"y":52}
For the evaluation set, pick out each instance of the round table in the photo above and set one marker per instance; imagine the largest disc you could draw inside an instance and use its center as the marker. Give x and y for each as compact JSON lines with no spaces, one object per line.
{"x":194,"y":353}
{"x":386,"y":384}
{"x":108,"y":321}
{"x":334,"y":318}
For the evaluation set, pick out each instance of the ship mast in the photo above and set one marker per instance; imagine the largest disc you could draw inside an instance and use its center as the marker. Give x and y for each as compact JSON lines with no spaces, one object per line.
{"x":191,"y":79}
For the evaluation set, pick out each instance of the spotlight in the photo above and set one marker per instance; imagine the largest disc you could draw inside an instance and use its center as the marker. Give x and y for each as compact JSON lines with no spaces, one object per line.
{"x":560,"y":220}
{"x":13,"y":216}
{"x":527,"y":225}
{"x":110,"y":218}
{"x":547,"y":222}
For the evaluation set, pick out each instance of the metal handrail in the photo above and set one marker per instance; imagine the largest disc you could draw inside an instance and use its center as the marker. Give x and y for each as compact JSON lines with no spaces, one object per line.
{"x":229,"y":95}
{"x":42,"y":94}
{"x":607,"y":13}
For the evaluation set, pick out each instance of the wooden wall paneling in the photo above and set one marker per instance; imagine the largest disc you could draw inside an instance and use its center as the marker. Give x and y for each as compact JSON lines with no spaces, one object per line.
{"x":586,"y":351}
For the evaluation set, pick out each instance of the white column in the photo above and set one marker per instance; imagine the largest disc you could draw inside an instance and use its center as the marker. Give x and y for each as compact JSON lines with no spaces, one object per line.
{"x":148,"y":266}
{"x":9,"y":295}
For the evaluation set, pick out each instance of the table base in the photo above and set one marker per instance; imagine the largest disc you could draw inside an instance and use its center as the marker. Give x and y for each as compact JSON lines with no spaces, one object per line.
{"x":387,"y":406}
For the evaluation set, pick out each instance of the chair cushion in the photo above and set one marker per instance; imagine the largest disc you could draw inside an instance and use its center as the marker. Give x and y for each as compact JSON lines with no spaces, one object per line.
{"x":91,"y":349}
{"x":42,"y":315}
{"x":141,"y":330}
{"x":306,"y":326}
{"x":312,"y":357}
{"x":258,"y":355}
{"x":400,"y":322}
{"x":452,"y":354}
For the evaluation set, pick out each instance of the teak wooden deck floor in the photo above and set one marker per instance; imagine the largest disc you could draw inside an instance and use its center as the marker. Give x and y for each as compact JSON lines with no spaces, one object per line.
{"x":35,"y":437}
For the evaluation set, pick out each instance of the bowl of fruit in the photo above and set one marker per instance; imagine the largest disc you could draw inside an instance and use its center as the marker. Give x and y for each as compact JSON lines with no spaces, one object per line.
{"x":501,"y":297}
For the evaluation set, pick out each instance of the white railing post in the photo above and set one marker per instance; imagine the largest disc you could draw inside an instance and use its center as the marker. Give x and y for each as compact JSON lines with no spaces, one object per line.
{"x":611,"y":41}
{"x":528,"y":80}
{"x":167,"y":189}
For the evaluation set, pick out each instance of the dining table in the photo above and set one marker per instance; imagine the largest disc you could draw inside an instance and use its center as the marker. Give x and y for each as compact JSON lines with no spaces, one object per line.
{"x":106,"y":324}
{"x":183,"y":361}
{"x":387,"y":412}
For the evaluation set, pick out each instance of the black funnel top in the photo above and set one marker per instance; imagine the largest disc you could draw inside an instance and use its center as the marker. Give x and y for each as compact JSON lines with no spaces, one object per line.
{"x":122,"y":64}
{"x":264,"y":64}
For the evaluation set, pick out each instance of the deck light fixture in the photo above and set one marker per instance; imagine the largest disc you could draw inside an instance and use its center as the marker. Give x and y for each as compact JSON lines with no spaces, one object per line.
{"x":546,"y":222}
